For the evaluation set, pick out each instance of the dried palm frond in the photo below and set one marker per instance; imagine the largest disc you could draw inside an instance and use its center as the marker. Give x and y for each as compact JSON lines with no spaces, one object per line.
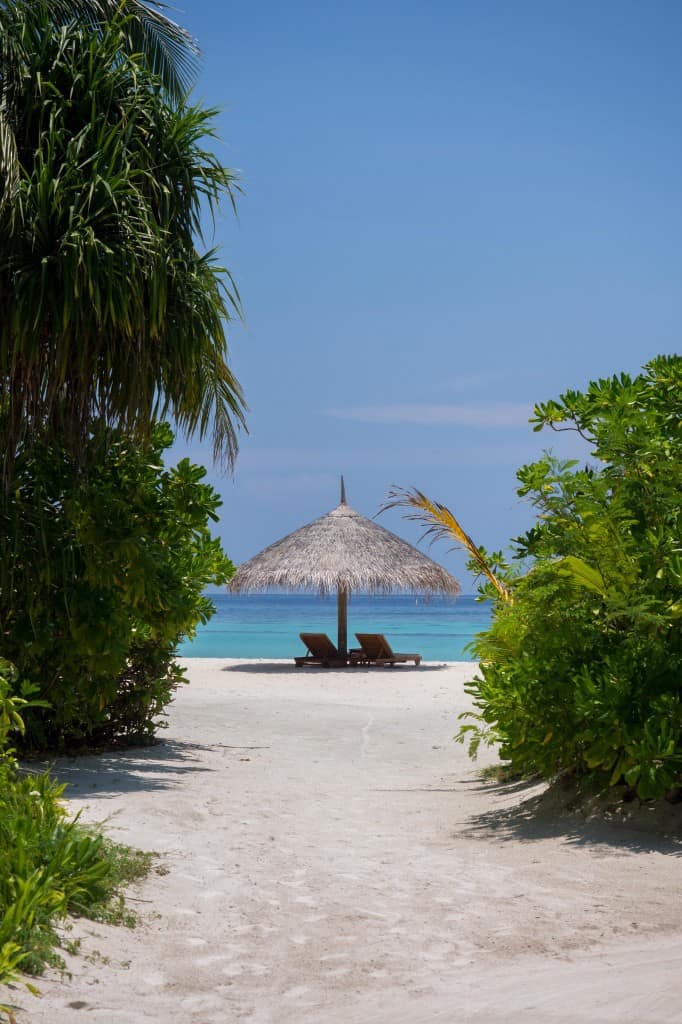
{"x":442,"y":524}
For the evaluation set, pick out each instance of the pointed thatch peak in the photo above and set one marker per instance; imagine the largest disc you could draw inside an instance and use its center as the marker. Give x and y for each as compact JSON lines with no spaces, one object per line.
{"x":342,"y":510}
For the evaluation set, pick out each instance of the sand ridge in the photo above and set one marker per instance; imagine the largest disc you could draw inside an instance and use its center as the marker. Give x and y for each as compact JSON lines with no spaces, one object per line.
{"x":330,"y":856}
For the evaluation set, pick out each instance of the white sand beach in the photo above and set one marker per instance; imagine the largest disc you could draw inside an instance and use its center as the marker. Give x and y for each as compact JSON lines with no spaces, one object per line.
{"x":328,"y":855}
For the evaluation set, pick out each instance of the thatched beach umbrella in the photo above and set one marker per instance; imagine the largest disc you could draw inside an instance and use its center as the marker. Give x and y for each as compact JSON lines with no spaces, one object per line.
{"x":343,"y":551}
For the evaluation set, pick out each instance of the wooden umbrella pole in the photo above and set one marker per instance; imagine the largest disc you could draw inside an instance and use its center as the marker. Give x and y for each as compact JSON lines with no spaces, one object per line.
{"x":342,"y":621}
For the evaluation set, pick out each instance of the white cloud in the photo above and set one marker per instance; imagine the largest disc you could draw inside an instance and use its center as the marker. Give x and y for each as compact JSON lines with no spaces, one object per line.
{"x":492,"y":414}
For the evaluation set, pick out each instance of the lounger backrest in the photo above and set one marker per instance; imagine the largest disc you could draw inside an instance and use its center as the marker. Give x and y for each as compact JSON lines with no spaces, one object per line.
{"x":319,"y":645}
{"x":375,"y":645}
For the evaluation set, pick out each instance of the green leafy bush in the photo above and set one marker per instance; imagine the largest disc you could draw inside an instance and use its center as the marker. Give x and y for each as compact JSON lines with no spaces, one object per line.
{"x":50,"y":866}
{"x":581,"y":670}
{"x":103,"y":563}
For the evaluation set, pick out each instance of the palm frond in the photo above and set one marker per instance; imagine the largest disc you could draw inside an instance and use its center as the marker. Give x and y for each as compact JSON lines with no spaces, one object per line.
{"x":110,"y":311}
{"x":172,"y":53}
{"x":441,"y":524}
{"x":9,"y":162}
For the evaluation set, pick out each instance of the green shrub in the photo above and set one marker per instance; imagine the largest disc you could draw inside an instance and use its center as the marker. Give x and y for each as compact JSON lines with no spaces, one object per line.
{"x":50,"y":866}
{"x":581,"y":670}
{"x":103,"y":562}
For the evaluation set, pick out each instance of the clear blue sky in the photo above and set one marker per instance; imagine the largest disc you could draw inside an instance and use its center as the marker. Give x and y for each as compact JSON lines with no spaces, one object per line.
{"x":452,"y":210}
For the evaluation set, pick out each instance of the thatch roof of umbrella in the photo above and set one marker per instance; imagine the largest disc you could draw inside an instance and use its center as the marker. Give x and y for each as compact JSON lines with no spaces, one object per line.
{"x":340,"y":552}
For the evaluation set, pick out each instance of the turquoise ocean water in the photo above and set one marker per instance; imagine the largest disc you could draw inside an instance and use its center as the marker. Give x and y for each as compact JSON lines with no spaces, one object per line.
{"x":267,"y":625}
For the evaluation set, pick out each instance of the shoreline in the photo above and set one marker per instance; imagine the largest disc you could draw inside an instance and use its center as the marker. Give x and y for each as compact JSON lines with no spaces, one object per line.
{"x":252,"y":625}
{"x":328,"y":855}
{"x":285,"y":663}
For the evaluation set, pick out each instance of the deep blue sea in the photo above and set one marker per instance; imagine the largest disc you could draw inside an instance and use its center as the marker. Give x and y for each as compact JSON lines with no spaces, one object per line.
{"x":268,"y":625}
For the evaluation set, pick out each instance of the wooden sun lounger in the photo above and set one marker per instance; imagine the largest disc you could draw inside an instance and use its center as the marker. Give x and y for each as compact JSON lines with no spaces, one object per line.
{"x":376,"y":650}
{"x":321,"y":651}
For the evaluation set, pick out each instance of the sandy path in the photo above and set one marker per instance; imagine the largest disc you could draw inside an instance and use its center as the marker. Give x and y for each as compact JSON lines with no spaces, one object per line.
{"x":333,"y":858}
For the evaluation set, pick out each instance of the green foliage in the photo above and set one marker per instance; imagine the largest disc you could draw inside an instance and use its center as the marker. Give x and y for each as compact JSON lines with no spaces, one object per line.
{"x":581,"y":671}
{"x":110,"y":310}
{"x":102,"y":572}
{"x":49,"y":866}
{"x":124,"y":865}
{"x":170,"y":51}
{"x":112,"y":317}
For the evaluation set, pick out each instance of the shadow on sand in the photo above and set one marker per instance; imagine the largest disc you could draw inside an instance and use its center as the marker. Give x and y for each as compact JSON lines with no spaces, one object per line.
{"x":161,"y":766}
{"x":555,"y":813}
{"x":284,"y":668}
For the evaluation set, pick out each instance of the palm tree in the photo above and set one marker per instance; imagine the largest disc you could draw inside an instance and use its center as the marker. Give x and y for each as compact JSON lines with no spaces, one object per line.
{"x":170,"y":50}
{"x":109,"y":310}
